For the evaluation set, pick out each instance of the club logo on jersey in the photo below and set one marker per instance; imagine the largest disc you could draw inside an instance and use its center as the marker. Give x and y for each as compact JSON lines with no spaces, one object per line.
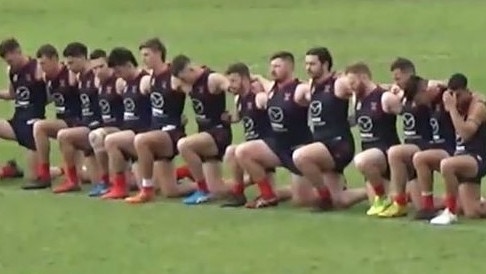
{"x":200,"y":89}
{"x":104,"y":106}
{"x":434,"y":124}
{"x":327,"y":88}
{"x":88,"y":84}
{"x":358,"y":105}
{"x":164,"y":85}
{"x":249,"y":106}
{"x":198,"y":106}
{"x":134,"y":89}
{"x":275,"y":114}
{"x":408,"y":121}
{"x":109,"y":89}
{"x":374,"y":106}
{"x":315,"y":108}
{"x":248,"y":124}
{"x":22,"y":93}
{"x":460,"y":146}
{"x":287,"y":96}
{"x":58,"y":99}
{"x":84,"y":100}
{"x":152,"y":81}
{"x":157,"y":100}
{"x":129,"y":105}
{"x":365,"y":124}
{"x":15,"y":78}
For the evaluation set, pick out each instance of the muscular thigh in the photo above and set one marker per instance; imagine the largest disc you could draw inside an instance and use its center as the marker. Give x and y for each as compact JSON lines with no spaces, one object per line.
{"x":372,"y":156}
{"x":466,"y":166}
{"x":6,"y":131}
{"x":160,"y":142}
{"x":431,"y":157}
{"x":202,"y":143}
{"x":259,"y":151}
{"x":50,"y":127}
{"x":121,"y":139}
{"x":76,"y":135}
{"x":403,"y":152}
{"x":318,"y":153}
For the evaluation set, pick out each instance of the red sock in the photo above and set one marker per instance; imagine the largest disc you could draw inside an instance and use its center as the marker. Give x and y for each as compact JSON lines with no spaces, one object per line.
{"x":202,"y":186}
{"x":44,"y":171}
{"x":183,"y":172}
{"x":119,"y":180}
{"x":401,"y":199}
{"x":239,"y":188}
{"x":428,"y":201}
{"x":72,"y":174}
{"x":379,"y":190}
{"x":324,"y":193}
{"x":105,"y":178}
{"x":266,"y":189}
{"x":451,"y":203}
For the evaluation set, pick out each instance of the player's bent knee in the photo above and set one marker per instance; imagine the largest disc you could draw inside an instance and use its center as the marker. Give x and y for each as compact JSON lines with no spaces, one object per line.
{"x":229,"y":154}
{"x":360,"y":163}
{"x":242,"y":152}
{"x":299,"y":157}
{"x":446,"y":166}
{"x":96,"y":138}
{"x":182,"y":145}
{"x":139,"y":141}
{"x":418,"y":159}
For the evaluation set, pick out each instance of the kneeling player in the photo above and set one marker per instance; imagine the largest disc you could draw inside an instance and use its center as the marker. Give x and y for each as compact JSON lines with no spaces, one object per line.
{"x":159,"y":146}
{"x":62,"y":87}
{"x":250,"y":104}
{"x":377,"y":126}
{"x":442,"y":147}
{"x":463,"y":172}
{"x":136,"y":118}
{"x":73,"y":139}
{"x":333,"y":146}
{"x":204,"y":151}
{"x":28,"y":90}
{"x":111,"y":107}
{"x":287,"y":111}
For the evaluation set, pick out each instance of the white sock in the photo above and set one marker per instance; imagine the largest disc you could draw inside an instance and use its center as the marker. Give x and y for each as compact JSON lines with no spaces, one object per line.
{"x":147,"y":183}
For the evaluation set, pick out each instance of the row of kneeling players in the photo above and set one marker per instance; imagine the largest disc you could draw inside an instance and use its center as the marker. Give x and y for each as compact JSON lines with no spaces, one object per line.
{"x":114,"y":116}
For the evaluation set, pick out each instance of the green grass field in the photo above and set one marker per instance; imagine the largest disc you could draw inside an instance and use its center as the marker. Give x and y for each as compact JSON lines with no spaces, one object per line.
{"x":43,"y":233}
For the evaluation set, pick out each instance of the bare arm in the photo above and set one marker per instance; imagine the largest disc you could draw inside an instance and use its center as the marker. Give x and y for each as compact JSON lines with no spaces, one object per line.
{"x":300,"y":94}
{"x":467,"y":128}
{"x":217,"y":83}
{"x":120,"y":85}
{"x":267,"y":84}
{"x":343,"y":90}
{"x":232,"y":117}
{"x":7,"y":94}
{"x":261,"y":99}
{"x":391,"y":103}
{"x":145,"y":85}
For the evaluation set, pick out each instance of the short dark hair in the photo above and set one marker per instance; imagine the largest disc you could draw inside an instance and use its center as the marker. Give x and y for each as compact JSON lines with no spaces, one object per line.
{"x":75,"y":49}
{"x":120,"y":56}
{"x":8,"y":45}
{"x":359,"y":68}
{"x":323,"y":54}
{"x":179,"y":63}
{"x":403,"y":64}
{"x":156,"y":45}
{"x":239,"y":68}
{"x":97,"y":53}
{"x":48,"y":51}
{"x":284,"y":55}
{"x":457,"y":81}
{"x":412,"y":87}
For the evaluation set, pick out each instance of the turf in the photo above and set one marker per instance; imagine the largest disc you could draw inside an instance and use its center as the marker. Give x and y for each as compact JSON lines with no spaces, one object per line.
{"x":41,"y":233}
